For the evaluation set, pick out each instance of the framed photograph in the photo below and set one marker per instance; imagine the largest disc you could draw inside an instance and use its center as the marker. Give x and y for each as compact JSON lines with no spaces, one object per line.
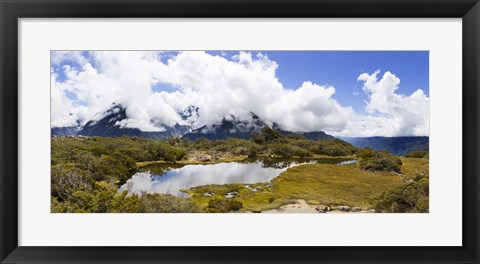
{"x":246,"y":132}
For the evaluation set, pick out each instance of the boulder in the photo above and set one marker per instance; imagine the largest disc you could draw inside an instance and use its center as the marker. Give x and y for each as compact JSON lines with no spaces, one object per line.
{"x":356,"y":209}
{"x":323,"y":208}
{"x":343,"y":208}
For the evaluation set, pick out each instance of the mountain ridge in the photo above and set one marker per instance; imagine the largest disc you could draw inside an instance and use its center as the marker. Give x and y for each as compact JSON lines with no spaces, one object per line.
{"x":396,"y":145}
{"x":106,"y":124}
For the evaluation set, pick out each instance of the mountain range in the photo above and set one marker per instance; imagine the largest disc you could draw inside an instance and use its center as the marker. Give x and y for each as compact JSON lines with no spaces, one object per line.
{"x":65,"y":131}
{"x":229,"y":126}
{"x":397,"y":145}
{"x":107,"y":124}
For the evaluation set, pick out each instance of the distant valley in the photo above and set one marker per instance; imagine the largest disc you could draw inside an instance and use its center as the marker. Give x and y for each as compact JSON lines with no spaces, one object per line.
{"x":397,"y":145}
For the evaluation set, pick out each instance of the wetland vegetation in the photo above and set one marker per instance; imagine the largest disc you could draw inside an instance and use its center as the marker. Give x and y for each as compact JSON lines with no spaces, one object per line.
{"x":265,"y":172}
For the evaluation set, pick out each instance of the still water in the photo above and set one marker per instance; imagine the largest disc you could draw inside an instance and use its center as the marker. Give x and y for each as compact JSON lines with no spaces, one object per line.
{"x":171,"y":178}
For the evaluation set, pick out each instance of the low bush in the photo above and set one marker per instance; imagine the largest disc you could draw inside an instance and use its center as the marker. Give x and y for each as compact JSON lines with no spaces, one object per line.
{"x":381,"y":164}
{"x":167,"y":203}
{"x":418,"y":154}
{"x":378,"y":160}
{"x":409,"y":198}
{"x":289,"y":151}
{"x":223,"y":205}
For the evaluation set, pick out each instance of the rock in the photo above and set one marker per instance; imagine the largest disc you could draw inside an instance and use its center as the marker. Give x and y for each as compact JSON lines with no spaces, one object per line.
{"x":231,"y":194}
{"x":323,"y":208}
{"x":356,"y":209}
{"x":301,"y":202}
{"x":343,"y":208}
{"x":204,"y":158}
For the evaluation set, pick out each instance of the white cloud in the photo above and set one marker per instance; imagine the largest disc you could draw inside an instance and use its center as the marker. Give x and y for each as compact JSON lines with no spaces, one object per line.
{"x":63,"y":112}
{"x":390,"y":113}
{"x":57,"y":57}
{"x":222,"y":87}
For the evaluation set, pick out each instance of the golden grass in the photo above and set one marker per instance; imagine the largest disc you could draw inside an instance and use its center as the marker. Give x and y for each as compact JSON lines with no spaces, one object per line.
{"x":327,"y":184}
{"x":413,"y":166}
{"x":333,"y":185}
{"x":314,"y":156}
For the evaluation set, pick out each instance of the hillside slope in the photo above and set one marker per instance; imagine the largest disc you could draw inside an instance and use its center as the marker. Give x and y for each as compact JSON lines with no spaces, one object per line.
{"x":396,"y":145}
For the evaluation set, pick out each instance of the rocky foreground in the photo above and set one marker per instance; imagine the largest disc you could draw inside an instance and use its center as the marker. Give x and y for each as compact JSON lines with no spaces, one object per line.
{"x":301,"y":206}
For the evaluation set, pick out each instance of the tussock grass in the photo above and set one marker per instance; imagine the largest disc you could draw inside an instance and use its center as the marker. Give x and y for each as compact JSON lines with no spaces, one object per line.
{"x":412,"y":167}
{"x":327,"y":184}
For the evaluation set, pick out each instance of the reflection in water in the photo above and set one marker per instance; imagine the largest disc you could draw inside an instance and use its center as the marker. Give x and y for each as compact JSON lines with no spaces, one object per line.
{"x":171,"y":178}
{"x":347,"y":162}
{"x":281,"y":163}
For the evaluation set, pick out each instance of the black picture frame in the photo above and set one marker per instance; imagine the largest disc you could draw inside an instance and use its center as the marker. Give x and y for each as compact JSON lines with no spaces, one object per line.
{"x":12,"y":10}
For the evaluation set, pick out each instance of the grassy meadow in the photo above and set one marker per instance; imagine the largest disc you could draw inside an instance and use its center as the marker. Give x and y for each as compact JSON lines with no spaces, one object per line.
{"x":87,"y":173}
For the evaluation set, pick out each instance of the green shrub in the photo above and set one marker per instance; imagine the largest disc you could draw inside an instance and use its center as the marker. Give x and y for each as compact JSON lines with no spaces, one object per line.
{"x":223,"y":205}
{"x":203,"y":143}
{"x":367,"y":152}
{"x":379,"y":164}
{"x":235,"y":205}
{"x":418,"y":154}
{"x":378,"y":160}
{"x":167,"y":203}
{"x":334,"y":147}
{"x":420,"y":176}
{"x":67,"y":179}
{"x":240,"y":151}
{"x":296,"y":137}
{"x":409,"y":198}
{"x":252,"y":152}
{"x":257,"y":138}
{"x":289,"y":151}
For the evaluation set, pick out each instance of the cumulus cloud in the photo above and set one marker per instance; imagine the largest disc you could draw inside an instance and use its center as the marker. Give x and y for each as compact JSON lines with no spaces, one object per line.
{"x":220,"y":87}
{"x":57,"y":57}
{"x":390,"y":113}
{"x":63,"y":112}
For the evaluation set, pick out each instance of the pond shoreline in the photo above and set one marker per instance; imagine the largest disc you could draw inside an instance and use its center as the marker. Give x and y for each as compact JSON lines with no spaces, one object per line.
{"x":199,"y":158}
{"x":208,"y":157}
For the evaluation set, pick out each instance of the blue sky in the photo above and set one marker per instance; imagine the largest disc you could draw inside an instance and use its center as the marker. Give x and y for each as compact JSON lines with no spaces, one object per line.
{"x":342,"y":68}
{"x":377,"y":93}
{"x":336,"y":68}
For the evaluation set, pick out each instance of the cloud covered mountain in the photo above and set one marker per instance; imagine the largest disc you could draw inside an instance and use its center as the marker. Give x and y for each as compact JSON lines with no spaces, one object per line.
{"x":230,"y":126}
{"x":112,"y":123}
{"x":154,"y":85}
